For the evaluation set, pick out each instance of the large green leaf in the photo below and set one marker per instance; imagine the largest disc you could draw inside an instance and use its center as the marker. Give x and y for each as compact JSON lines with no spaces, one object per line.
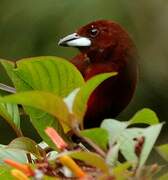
{"x":46,"y":73}
{"x":80,"y":101}
{"x":46,"y":101}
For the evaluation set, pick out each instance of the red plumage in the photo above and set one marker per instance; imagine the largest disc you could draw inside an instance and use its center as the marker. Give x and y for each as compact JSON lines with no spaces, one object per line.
{"x":105,"y":47}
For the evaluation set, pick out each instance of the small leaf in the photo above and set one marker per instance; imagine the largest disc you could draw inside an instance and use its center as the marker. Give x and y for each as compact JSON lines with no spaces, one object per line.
{"x":146,"y":116}
{"x":26,"y":144}
{"x":163,"y":151}
{"x":80,"y":102}
{"x":90,"y":158}
{"x":98,"y":135}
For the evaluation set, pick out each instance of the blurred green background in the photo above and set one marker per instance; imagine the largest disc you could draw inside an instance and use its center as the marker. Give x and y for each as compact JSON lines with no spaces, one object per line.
{"x":33,"y":28}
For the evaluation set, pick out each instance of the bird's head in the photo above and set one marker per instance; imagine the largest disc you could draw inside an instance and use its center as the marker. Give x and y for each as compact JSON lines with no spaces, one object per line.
{"x":97,"y":37}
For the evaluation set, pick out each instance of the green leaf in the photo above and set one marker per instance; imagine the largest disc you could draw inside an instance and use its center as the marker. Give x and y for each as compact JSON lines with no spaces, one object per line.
{"x":80,"y":102}
{"x":98,"y":135}
{"x":51,"y":74}
{"x":26,"y":144}
{"x":13,"y":154}
{"x":47,"y":73}
{"x":90,"y":158}
{"x":163,"y":151}
{"x":146,"y":116}
{"x":41,"y":100}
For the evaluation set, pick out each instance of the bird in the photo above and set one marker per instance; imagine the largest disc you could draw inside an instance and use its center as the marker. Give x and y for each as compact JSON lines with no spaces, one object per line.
{"x":105,"y":46}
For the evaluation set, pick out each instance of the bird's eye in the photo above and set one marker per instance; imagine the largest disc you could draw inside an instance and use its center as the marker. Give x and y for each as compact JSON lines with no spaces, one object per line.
{"x":94,"y":32}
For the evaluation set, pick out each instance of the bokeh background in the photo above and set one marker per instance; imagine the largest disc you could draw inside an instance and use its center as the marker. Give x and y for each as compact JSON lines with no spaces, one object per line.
{"x":33,"y":28}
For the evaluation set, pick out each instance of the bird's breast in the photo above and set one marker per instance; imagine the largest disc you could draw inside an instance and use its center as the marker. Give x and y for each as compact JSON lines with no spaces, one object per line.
{"x":111,"y":96}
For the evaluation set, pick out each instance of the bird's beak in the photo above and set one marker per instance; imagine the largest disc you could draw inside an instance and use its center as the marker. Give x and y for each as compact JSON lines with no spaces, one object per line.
{"x":74,"y":40}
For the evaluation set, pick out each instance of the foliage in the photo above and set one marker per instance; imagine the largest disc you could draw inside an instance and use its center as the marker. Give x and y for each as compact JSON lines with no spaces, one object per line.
{"x":53,"y":94}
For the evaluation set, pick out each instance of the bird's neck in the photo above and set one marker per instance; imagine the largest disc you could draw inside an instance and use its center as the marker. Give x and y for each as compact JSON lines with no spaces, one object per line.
{"x":101,"y":55}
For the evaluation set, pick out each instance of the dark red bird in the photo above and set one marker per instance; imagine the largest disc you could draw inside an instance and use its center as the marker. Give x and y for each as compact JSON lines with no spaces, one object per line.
{"x":105,"y":47}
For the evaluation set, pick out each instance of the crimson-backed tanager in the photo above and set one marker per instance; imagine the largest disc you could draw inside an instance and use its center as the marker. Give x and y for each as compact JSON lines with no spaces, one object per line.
{"x":105,"y":47}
